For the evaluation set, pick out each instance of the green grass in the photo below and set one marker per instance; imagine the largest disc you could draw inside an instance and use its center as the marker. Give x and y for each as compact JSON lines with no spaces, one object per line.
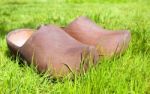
{"x":128,"y":74}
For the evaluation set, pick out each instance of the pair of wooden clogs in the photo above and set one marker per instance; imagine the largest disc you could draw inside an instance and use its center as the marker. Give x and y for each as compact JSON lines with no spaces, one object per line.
{"x":73,"y":48}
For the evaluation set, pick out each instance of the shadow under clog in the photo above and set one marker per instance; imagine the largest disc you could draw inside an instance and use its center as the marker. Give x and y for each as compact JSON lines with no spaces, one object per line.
{"x":51,"y":49}
{"x":108,"y":42}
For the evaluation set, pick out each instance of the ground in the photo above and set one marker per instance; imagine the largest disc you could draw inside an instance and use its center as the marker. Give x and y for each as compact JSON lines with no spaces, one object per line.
{"x":127,"y":74}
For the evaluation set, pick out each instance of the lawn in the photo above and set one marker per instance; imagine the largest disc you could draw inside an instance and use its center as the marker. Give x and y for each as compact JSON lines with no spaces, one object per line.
{"x":127,"y":74}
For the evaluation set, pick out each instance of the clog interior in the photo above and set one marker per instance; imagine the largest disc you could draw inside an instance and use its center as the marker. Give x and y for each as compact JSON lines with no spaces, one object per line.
{"x":20,"y":37}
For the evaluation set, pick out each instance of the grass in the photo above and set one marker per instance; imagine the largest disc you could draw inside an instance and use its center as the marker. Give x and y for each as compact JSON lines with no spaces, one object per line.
{"x":128,"y":74}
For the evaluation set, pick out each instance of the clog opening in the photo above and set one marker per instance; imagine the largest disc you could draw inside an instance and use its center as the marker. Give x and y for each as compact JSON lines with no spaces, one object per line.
{"x":20,"y":37}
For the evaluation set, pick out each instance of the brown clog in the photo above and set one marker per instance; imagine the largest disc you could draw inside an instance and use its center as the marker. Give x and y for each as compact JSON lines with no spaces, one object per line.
{"x":51,"y":48}
{"x":107,"y":41}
